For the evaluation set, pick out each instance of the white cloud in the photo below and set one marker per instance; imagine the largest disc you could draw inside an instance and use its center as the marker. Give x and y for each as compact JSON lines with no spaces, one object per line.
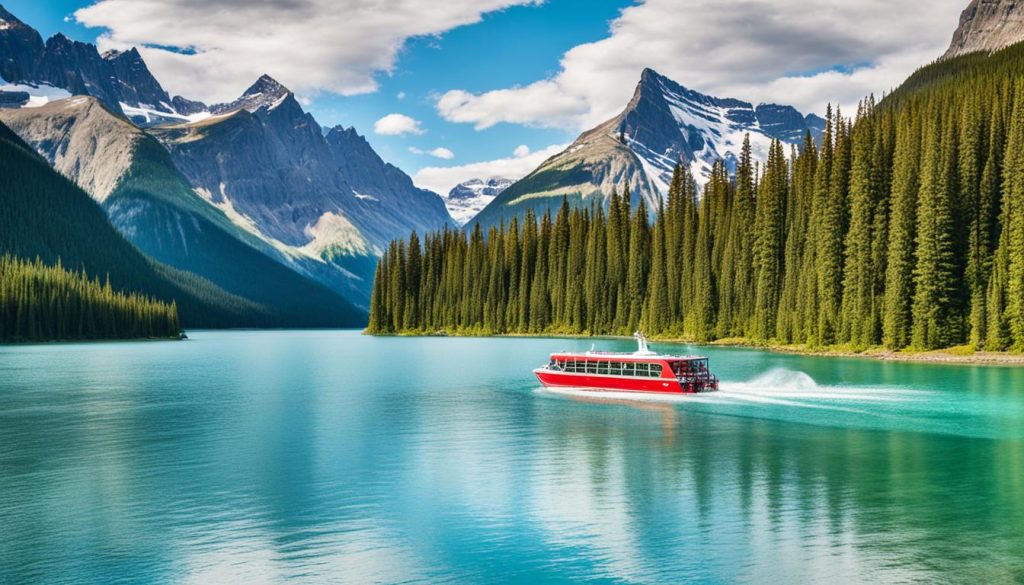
{"x":442,"y":179}
{"x":309,"y":45}
{"x":784,"y":51}
{"x":521,"y":151}
{"x":439,"y":152}
{"x":397,"y":125}
{"x":400,"y":95}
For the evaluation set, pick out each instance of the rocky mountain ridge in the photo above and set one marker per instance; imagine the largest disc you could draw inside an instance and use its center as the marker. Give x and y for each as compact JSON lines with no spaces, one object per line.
{"x":117,"y":78}
{"x":987,"y":25}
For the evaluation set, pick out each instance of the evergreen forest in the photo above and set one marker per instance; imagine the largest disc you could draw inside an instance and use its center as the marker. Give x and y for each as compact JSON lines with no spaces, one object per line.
{"x":903,"y":228}
{"x":45,"y":303}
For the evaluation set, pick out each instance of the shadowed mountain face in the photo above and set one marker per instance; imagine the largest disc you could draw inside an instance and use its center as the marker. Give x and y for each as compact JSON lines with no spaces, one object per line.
{"x":988,"y":25}
{"x":664,"y":124}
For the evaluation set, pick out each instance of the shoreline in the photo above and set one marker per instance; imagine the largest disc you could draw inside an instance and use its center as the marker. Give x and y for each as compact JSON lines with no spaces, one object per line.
{"x":953,"y":356}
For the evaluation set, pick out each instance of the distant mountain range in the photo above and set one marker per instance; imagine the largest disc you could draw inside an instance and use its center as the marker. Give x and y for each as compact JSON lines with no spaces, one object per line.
{"x":664,"y":124}
{"x":466,"y":199}
{"x":250,"y":194}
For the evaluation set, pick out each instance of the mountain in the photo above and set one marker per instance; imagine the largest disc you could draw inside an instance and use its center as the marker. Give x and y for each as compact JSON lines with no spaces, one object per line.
{"x":270,"y":162}
{"x":119,"y":79}
{"x":44,"y":215}
{"x":255,"y":174}
{"x":988,"y":25}
{"x":466,"y":199}
{"x":151,"y":204}
{"x":664,"y":123}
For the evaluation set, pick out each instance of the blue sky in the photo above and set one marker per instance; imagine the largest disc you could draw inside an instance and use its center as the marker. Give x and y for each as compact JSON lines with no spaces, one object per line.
{"x":483,"y":78}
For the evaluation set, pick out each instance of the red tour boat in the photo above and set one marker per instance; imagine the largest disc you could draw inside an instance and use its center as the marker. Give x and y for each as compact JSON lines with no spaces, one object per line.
{"x":640,"y":371}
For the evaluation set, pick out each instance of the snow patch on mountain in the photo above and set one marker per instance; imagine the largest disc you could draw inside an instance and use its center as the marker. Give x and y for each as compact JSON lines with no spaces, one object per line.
{"x":145,"y":115}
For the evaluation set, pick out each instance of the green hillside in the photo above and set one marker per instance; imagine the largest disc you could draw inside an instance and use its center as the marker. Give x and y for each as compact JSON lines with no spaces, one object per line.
{"x":45,"y":216}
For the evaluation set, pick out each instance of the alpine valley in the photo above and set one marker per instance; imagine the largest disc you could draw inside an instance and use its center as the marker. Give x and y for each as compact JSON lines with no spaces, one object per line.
{"x":250,"y":196}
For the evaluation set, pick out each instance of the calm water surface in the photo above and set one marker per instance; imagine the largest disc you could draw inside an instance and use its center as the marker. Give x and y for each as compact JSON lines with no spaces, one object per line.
{"x":333,"y":457}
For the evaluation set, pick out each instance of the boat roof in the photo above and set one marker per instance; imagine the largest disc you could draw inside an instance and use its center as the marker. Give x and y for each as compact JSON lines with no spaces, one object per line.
{"x":642,"y":353}
{"x":628,"y":356}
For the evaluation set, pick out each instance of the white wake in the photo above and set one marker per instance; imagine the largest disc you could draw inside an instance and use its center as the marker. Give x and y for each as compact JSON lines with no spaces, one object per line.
{"x":778,"y":387}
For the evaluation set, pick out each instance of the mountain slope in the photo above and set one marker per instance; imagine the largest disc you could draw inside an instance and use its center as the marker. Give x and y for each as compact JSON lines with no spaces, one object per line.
{"x":271,"y":162}
{"x":80,"y":236}
{"x":987,"y":26}
{"x":664,"y":123}
{"x":151,"y":204}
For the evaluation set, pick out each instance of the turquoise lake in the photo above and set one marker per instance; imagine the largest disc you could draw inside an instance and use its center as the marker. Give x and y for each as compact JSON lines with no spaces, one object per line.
{"x":329,"y":456}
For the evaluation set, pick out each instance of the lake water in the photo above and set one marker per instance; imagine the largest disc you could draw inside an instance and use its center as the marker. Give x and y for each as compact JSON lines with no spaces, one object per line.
{"x":333,"y":457}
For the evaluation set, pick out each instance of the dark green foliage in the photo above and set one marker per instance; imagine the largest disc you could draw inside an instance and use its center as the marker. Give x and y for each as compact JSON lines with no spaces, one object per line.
{"x":904,"y":228}
{"x":47,"y":303}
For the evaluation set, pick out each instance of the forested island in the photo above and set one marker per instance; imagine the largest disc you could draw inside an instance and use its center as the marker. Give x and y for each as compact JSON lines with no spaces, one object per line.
{"x":903,"y":228}
{"x":47,"y":303}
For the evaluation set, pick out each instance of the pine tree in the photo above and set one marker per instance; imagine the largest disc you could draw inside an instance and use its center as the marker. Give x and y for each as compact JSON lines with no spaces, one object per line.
{"x":899,"y":282}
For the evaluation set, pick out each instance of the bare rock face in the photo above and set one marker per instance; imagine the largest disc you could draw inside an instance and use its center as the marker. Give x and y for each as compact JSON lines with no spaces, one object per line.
{"x":266,"y":158}
{"x":988,"y":25}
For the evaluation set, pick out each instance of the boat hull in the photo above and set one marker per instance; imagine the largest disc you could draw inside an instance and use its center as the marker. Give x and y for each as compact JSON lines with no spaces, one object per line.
{"x":552,"y":379}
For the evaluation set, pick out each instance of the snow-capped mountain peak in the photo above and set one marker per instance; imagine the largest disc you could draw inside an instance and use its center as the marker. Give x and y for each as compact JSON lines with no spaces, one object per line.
{"x":466,"y":199}
{"x":266,"y":92}
{"x":664,"y":124}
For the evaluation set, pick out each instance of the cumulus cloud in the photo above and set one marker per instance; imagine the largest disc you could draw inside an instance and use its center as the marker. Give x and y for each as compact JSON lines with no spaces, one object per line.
{"x":784,"y":51}
{"x":521,"y":151}
{"x":439,"y":152}
{"x":442,"y":179}
{"x":397,"y":125}
{"x":215,"y":50}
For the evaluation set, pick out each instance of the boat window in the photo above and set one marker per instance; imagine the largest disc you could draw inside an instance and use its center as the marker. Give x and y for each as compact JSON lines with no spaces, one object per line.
{"x":602,"y":368}
{"x":591,"y":367}
{"x":615,"y":369}
{"x":628,"y":369}
{"x":570,"y":366}
{"x":641,"y":370}
{"x":655,"y":370}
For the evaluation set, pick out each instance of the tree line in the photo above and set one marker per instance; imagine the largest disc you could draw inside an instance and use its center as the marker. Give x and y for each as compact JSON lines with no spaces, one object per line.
{"x":45,"y":303}
{"x":903,"y":228}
